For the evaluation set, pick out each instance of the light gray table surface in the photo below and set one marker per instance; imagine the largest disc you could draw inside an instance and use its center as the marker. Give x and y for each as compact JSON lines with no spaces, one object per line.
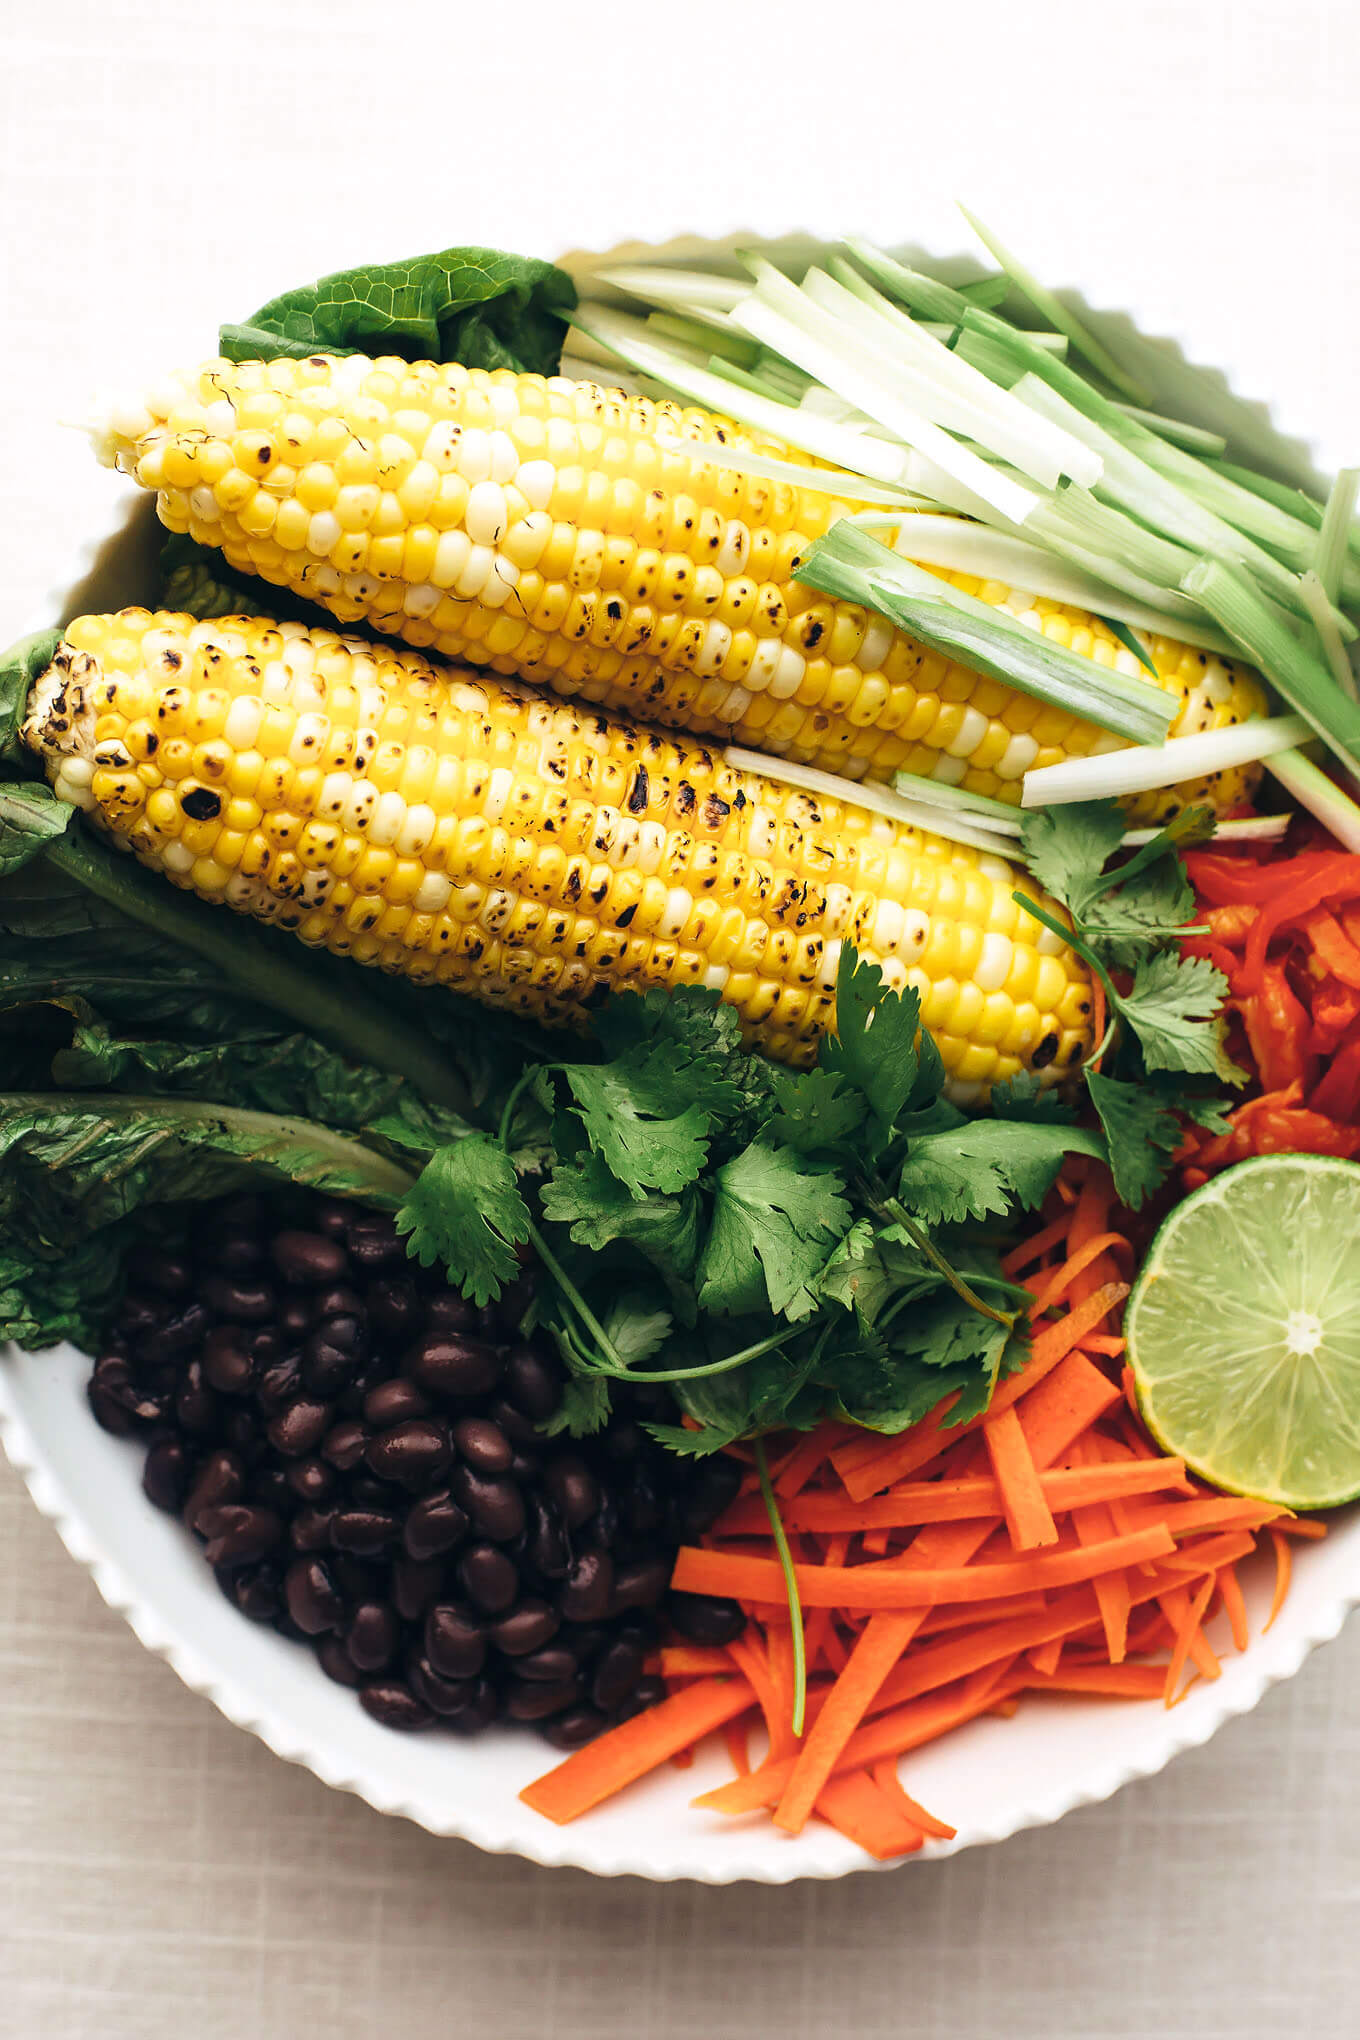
{"x":163,"y":165}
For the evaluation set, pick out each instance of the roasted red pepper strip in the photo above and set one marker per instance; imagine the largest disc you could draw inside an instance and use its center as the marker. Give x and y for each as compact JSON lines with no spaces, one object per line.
{"x":1334,"y":947}
{"x":1277,"y":1027}
{"x":1226,"y":881}
{"x":1338,"y":1094}
{"x":1336,"y":1008}
{"x":1339,"y":879}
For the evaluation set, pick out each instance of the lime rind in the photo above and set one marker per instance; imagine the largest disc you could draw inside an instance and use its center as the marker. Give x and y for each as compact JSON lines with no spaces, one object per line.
{"x":1243,"y":1331}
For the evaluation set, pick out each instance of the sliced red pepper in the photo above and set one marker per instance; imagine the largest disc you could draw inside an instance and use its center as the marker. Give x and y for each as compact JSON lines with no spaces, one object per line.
{"x":1334,"y":947}
{"x":1338,"y":880}
{"x":1336,"y":1008}
{"x":1277,"y":1027}
{"x":1338,"y":1094}
{"x":1229,"y":881}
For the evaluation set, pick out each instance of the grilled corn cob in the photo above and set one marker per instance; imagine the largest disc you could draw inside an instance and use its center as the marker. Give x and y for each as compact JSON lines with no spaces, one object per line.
{"x":459,"y":829}
{"x":556,"y":530}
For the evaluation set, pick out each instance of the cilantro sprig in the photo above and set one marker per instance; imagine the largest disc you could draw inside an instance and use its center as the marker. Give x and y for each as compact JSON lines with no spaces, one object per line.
{"x":1167,"y":1024}
{"x":775,"y":1244}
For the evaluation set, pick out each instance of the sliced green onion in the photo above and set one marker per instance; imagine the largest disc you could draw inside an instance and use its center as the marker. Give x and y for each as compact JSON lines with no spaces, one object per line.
{"x":778,"y":314}
{"x":1193,"y":438}
{"x":1108,"y":775}
{"x":781,"y":1545}
{"x":1293,"y":502}
{"x":870,"y":794}
{"x":988,"y":291}
{"x":758,"y":385}
{"x":1333,"y":540}
{"x":963,"y":547}
{"x":707,"y":340}
{"x":1320,"y":609}
{"x":1323,"y":798}
{"x":744,"y":460}
{"x":1246,"y":829}
{"x":688,"y":290}
{"x":626,"y":338}
{"x":923,"y":296}
{"x":1000,"y":815}
{"x":1301,"y":676}
{"x":1057,"y":314}
{"x":847,"y":563}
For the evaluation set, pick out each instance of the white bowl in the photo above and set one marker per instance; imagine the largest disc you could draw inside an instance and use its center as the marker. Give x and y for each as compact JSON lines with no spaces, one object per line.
{"x":990,"y":1779}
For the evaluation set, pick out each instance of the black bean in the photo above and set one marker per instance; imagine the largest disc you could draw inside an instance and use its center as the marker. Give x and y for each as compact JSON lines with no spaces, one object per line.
{"x":648,"y":1692}
{"x":585,"y":1593}
{"x":496,"y":1506}
{"x":180,"y":1335}
{"x":532,"y":1383}
{"x":519,"y":1429}
{"x":196,"y":1407}
{"x":343,"y":1445}
{"x":267,"y":1348}
{"x":234,"y":1254}
{"x":308,"y":1258}
{"x":454,"y":1641}
{"x":483,"y":1445}
{"x":548,"y":1546}
{"x":312,"y":1595}
{"x":449,"y":1314}
{"x":374,"y":1244}
{"x":311,"y":1480}
{"x":415,"y":1454}
{"x":280,"y":1383}
{"x":617,"y":1671}
{"x":244,"y":1212}
{"x":255,"y":1590}
{"x":571,"y":1486}
{"x":365,"y":1532}
{"x":531,"y":1701}
{"x":706,"y":1618}
{"x":603,"y":1527}
{"x":140,"y":1315}
{"x":336,"y":1662}
{"x":153,"y":1268}
{"x":269,"y":1484}
{"x":244,"y":1300}
{"x":639,"y":1504}
{"x":395,"y":1312}
{"x":525,"y":1466}
{"x":479,"y":1710}
{"x":391,"y":1702}
{"x":392,"y":1402}
{"x":415,"y":1585}
{"x":435,"y":1525}
{"x":332,"y":1216}
{"x":641,"y":1584}
{"x":712,"y":1487}
{"x":327,"y":1368}
{"x":357,"y":1578}
{"x":573,"y":1729}
{"x":165,"y":1476}
{"x":623,"y":1440}
{"x":238,"y":1533}
{"x":219,"y":1480}
{"x":364,"y":1492}
{"x":110,"y":1409}
{"x":489,"y":1578}
{"x":450,"y":1365}
{"x":310,"y":1530}
{"x":239,"y":1431}
{"x":372,"y":1635}
{"x":553,"y":1663}
{"x":442,"y":1696}
{"x":228,"y":1363}
{"x":297,"y":1430}
{"x":337,"y":1299}
{"x":584,"y":1639}
{"x":527,"y":1627}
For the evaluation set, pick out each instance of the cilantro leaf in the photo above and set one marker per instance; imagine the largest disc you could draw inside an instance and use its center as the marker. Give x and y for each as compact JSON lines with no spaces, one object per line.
{"x":1174,"y":1007}
{"x":874,"y":1046}
{"x":642,"y":1118}
{"x":1026,"y":1096}
{"x":870,"y":1269}
{"x":1142,"y":1131}
{"x":816,"y":1111}
{"x":1067,"y":848}
{"x":973,"y":1171}
{"x":772,"y":1225}
{"x":637,"y":1329}
{"x":598,"y":1210}
{"x":465,"y":1210}
{"x":584,"y":1407}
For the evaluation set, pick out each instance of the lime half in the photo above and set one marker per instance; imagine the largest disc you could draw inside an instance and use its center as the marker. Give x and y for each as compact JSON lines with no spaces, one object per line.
{"x":1244,"y":1331}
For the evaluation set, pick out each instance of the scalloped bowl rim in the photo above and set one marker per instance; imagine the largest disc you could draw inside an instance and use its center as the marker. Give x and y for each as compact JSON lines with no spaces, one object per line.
{"x":1054,"y":1746}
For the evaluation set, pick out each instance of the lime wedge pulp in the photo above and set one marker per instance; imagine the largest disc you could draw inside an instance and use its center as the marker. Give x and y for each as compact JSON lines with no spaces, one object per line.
{"x":1243,"y":1331}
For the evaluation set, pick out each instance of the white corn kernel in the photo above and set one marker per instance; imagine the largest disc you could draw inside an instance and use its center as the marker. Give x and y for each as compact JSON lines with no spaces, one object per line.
{"x":433,"y":893}
{"x":486,"y":515}
{"x":474,"y":456}
{"x":1017,"y":757}
{"x":993,"y":965}
{"x":971,"y":732}
{"x":535,"y":481}
{"x":242,"y":724}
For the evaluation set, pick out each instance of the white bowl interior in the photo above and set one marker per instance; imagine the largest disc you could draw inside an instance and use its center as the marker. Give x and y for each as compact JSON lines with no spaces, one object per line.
{"x":989,"y":1780}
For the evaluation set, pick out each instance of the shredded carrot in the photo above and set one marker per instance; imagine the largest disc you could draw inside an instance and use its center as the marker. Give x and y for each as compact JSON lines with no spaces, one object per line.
{"x":1185,"y":1616}
{"x":1234,"y":1605}
{"x":1028,"y":1516}
{"x":1284,"y":1566}
{"x":635,"y":1747}
{"x":1124,"y":1682}
{"x":1059,"y":1282}
{"x":865,"y":1815}
{"x":737,"y":1737}
{"x":1045,"y":1657}
{"x":1064,"y":1406}
{"x":891,"y":1786}
{"x":691,"y":1661}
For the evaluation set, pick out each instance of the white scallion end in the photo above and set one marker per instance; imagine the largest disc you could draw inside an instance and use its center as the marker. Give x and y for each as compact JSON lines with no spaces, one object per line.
{"x":878,"y":799}
{"x":1144,"y":767}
